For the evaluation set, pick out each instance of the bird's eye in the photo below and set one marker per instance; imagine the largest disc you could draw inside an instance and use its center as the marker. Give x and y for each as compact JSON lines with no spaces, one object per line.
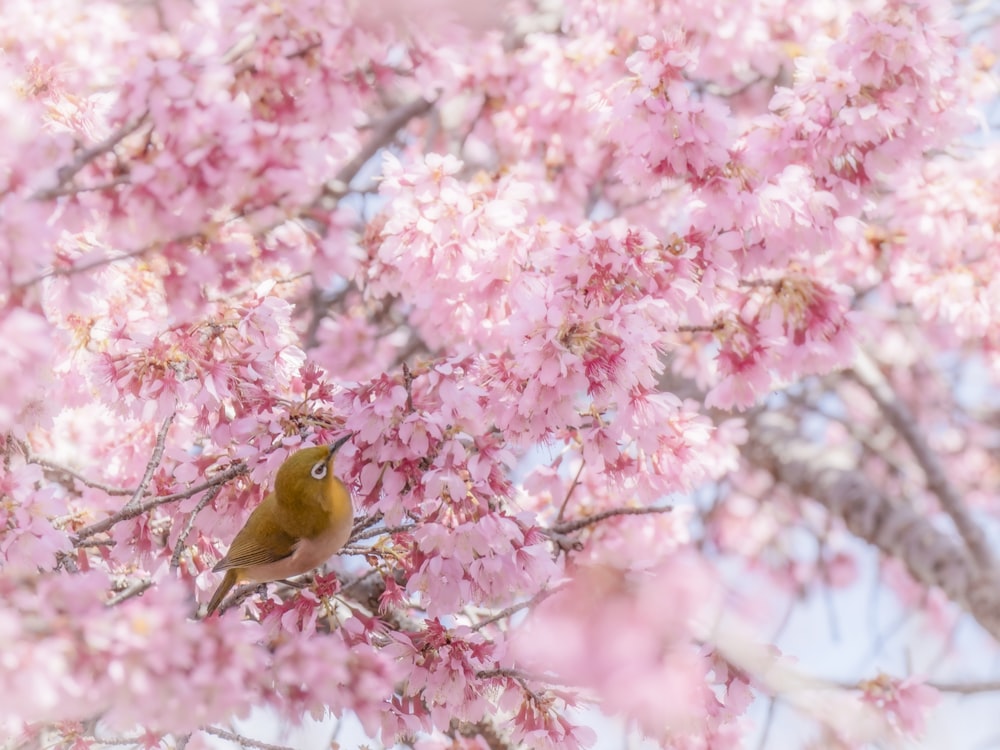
{"x":319,"y":470}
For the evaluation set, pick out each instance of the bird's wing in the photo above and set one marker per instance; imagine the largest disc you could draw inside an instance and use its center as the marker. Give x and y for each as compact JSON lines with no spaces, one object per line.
{"x":259,"y":542}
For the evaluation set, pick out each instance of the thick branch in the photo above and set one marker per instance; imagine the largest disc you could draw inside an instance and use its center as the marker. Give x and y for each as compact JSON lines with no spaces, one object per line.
{"x":382,"y":135}
{"x":867,"y":374}
{"x":931,"y":556}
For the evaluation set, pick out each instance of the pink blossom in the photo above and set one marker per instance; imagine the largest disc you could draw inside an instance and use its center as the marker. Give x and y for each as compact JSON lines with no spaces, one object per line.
{"x":536,"y":262}
{"x":905,"y":701}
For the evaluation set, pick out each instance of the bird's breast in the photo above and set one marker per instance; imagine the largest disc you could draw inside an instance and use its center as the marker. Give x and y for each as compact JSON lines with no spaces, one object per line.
{"x":313,"y":552}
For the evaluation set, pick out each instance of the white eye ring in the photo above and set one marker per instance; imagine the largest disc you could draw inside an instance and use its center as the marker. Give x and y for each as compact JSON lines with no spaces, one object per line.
{"x":319,"y":470}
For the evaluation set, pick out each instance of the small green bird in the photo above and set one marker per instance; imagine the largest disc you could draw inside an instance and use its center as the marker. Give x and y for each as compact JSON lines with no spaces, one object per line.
{"x":296,"y":528}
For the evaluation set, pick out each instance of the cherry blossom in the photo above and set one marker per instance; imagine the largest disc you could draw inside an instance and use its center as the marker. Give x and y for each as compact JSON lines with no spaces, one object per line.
{"x":653,"y":327}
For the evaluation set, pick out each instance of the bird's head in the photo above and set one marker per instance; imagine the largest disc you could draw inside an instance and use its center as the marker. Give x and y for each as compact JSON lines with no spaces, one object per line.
{"x":307,"y":472}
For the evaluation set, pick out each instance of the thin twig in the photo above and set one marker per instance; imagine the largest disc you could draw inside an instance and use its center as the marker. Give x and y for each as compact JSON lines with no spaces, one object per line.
{"x":522,"y":679}
{"x":369,"y":533}
{"x":154,"y":461}
{"x":105,"y":260}
{"x":137,"y":510}
{"x":349,"y":550}
{"x":569,"y":492}
{"x":958,"y":688}
{"x":365,"y":523}
{"x":359,"y":580}
{"x":95,"y":543}
{"x":408,"y":385}
{"x":571,"y":526}
{"x":67,"y":172}
{"x":60,"y":469}
{"x":175,"y":559}
{"x":133,"y":741}
{"x":966,"y":688}
{"x":59,"y":192}
{"x":699,"y":329}
{"x":243,"y":741}
{"x":487,"y":729}
{"x":240,"y":593}
{"x":768,"y":721}
{"x":512,"y":609}
{"x":134,"y":589}
{"x":520,"y":674}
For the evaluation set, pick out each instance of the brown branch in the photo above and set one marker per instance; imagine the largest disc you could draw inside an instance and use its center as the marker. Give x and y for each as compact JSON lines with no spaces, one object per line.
{"x":517,"y":676}
{"x":958,"y":688}
{"x":59,"y":192}
{"x":700,"y":329}
{"x":570,"y":526}
{"x":154,"y":461}
{"x":966,"y":688}
{"x":537,"y":598}
{"x":485,"y":728}
{"x":67,"y":172}
{"x":569,"y":492}
{"x":60,"y":469}
{"x":134,"y":589}
{"x":866,"y":373}
{"x":95,"y":543}
{"x":90,"y":265}
{"x":131,"y":511}
{"x":369,"y":533}
{"x":365,"y":523}
{"x":132,"y":741}
{"x":241,"y":592}
{"x":241,"y":740}
{"x":382,"y":134}
{"x":931,"y":556}
{"x":175,"y":559}
{"x":521,"y":676}
{"x":320,"y":302}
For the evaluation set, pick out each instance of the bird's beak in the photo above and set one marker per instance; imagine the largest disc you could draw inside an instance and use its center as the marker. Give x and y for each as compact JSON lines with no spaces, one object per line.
{"x":335,"y":446}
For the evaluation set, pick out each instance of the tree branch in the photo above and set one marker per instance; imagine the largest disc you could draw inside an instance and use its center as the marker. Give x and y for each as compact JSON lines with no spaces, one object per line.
{"x":60,"y":469}
{"x":134,"y":589}
{"x":537,"y":598}
{"x":932,"y":557}
{"x":67,"y":172}
{"x":382,"y":133}
{"x":154,"y":461}
{"x":175,"y":559}
{"x":484,"y":728}
{"x":866,"y":373}
{"x":241,"y":740}
{"x":966,"y":688}
{"x":131,"y":511}
{"x":570,"y":526}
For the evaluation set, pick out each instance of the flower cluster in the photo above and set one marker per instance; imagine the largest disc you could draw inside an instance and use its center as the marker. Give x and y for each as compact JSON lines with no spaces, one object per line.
{"x":549,"y":272}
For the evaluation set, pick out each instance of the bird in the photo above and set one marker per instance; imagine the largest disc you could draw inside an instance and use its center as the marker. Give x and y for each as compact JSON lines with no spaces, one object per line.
{"x":296,"y":528}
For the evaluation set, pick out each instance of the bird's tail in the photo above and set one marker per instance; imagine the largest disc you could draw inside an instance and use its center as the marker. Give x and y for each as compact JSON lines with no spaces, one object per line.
{"x":220,"y":593}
